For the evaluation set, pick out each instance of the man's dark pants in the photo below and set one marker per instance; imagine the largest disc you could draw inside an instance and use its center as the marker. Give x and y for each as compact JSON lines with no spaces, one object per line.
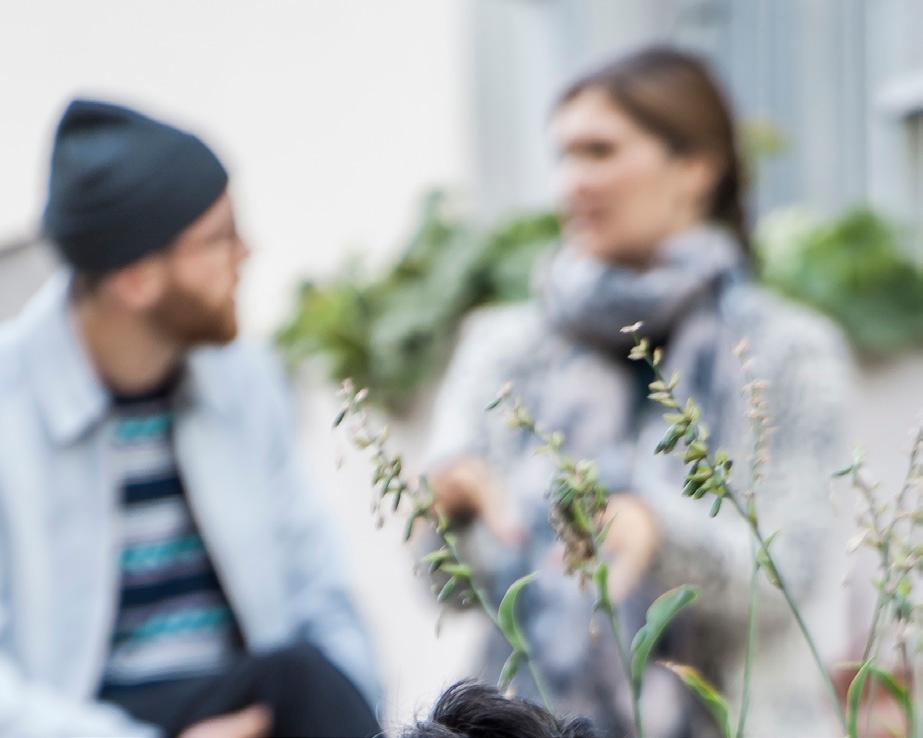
{"x":308,"y":696}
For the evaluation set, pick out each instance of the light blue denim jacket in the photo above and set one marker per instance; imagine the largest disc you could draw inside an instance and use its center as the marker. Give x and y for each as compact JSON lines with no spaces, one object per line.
{"x":274,"y":547}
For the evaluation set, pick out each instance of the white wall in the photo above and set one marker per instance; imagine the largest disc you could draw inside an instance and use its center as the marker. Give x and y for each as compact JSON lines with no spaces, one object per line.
{"x":332,"y":114}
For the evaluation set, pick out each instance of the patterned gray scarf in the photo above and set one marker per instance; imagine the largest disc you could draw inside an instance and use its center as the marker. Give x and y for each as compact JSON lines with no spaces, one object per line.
{"x":591,"y":300}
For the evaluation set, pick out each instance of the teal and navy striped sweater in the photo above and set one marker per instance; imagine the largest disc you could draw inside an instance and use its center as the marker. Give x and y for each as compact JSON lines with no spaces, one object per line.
{"x":173,"y":618}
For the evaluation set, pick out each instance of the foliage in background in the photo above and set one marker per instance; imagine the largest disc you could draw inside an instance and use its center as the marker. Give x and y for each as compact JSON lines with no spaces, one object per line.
{"x":853,"y":268}
{"x":392,"y":332}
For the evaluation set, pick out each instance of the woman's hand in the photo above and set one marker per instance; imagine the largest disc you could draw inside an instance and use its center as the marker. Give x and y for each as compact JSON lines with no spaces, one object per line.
{"x":632,"y":543}
{"x":466,"y":488}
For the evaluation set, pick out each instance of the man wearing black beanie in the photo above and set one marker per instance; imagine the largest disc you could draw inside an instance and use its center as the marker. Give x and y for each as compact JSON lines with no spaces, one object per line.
{"x":164,"y":570}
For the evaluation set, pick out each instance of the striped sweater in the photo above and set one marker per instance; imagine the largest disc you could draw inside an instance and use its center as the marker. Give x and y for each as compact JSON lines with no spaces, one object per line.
{"x":173,"y":618}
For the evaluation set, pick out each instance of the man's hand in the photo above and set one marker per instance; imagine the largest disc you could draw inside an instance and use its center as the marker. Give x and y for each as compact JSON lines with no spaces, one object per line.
{"x":632,"y":543}
{"x":466,"y":489}
{"x":251,"y":722}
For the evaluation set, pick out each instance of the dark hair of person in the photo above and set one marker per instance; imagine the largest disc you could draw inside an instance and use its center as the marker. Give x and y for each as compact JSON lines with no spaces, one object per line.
{"x":673,"y":95}
{"x":471,"y":710}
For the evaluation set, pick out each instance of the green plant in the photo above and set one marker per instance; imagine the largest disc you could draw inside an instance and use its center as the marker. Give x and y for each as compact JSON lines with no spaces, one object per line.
{"x":709,"y":475}
{"x":854,"y":268}
{"x":578,"y":505}
{"x":391,"y":333}
{"x":892,"y":530}
{"x":889,"y":528}
{"x":393,"y":489}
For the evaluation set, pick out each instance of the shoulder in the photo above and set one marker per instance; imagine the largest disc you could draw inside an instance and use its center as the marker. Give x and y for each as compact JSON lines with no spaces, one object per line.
{"x":802,"y":354}
{"x":776,"y":326}
{"x":497,"y":334}
{"x":245,"y":375}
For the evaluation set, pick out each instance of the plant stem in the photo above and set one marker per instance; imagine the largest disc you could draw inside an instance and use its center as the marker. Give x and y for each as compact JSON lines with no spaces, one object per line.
{"x":916,"y":696}
{"x":873,"y":630}
{"x":652,"y":362}
{"x":793,"y":606}
{"x":605,"y":600}
{"x":539,"y":683}
{"x":752,"y":623}
{"x":624,"y":656}
{"x":484,"y":602}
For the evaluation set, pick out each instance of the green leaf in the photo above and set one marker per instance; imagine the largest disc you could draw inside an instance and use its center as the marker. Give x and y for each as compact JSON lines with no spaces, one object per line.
{"x":897,"y":690}
{"x":713,"y":700}
{"x":510,"y":667}
{"x":506,"y":614}
{"x":857,"y":688}
{"x":601,"y":577}
{"x":854,"y":699}
{"x":659,"y":615}
{"x":763,"y":559}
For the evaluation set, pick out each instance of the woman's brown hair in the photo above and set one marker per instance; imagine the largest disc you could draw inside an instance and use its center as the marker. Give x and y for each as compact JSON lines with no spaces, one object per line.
{"x":673,"y":95}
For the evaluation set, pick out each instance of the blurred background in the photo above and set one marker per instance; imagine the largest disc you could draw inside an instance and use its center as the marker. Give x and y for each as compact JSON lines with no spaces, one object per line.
{"x":369,"y":141}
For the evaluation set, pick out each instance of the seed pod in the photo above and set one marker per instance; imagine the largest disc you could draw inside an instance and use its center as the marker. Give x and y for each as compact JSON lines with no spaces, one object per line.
{"x":462,"y":571}
{"x":447,"y":590}
{"x":701,"y":473}
{"x":716,"y":506}
{"x":669,"y":441}
{"x":436,"y":559}
{"x":408,"y":529}
{"x":639,"y":351}
{"x":697,"y":450}
{"x":494,"y":404}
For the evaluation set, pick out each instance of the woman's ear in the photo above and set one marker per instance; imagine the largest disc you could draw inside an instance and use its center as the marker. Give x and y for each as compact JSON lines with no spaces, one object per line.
{"x":699,"y":175}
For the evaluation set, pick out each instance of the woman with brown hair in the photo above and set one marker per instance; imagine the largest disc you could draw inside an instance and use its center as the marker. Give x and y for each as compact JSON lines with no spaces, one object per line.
{"x":652,"y":203}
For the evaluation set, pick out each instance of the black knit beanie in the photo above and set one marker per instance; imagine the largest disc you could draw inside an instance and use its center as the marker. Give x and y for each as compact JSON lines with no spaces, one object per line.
{"x":123,"y":185}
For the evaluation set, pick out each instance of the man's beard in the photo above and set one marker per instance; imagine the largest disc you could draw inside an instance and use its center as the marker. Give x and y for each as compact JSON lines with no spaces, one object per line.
{"x":184,"y":317}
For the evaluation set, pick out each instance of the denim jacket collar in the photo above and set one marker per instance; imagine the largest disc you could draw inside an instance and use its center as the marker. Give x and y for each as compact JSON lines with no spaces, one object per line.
{"x":69,"y":393}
